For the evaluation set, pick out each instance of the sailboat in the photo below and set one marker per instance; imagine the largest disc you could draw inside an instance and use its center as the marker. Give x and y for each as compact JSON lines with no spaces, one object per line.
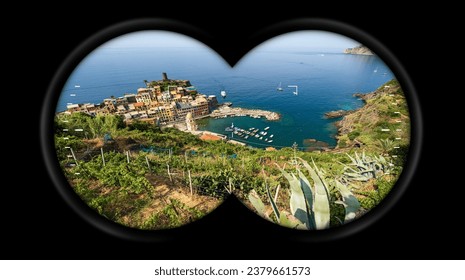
{"x":279,"y":88}
{"x":230,"y":128}
{"x":223,"y":93}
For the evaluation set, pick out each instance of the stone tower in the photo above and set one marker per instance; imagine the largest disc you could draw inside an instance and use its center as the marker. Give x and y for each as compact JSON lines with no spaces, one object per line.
{"x":164,"y":76}
{"x":190,"y":123}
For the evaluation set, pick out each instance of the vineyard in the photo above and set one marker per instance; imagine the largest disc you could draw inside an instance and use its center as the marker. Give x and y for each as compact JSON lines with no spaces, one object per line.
{"x":145,"y":177}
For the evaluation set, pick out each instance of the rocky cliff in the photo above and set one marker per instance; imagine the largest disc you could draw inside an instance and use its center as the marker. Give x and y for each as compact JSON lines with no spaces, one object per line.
{"x":362,"y":50}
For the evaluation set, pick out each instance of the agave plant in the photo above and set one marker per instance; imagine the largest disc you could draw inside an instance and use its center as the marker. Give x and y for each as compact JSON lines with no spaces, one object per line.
{"x":386,"y":144}
{"x":309,"y":205}
{"x":363,"y":168}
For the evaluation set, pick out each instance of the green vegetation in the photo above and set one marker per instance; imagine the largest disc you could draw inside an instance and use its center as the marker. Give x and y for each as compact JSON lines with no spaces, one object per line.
{"x":173,"y":215}
{"x":309,"y":203}
{"x":384,"y":117}
{"x":143,"y":175}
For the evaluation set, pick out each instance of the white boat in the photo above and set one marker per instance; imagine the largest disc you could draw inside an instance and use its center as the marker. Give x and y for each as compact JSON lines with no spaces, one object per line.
{"x":223,"y":93}
{"x":77,"y":86}
{"x":376,"y":70}
{"x":256,"y":135}
{"x":261,"y":138}
{"x":266,"y":128}
{"x":266,"y":139}
{"x":270,"y":141}
{"x":271,"y":136}
{"x":279,"y":88}
{"x":230,"y":128}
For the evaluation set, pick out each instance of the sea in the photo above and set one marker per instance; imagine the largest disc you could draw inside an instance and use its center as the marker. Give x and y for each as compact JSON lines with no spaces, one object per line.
{"x":326,"y":81}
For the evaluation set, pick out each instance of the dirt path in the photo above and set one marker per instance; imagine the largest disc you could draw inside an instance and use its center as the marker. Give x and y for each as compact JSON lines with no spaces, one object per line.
{"x":165,"y":190}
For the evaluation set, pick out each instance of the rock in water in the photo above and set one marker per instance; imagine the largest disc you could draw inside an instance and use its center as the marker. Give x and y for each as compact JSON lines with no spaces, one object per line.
{"x":362,"y":50}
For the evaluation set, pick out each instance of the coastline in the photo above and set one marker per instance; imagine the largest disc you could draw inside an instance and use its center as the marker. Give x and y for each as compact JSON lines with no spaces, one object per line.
{"x":384,"y":116}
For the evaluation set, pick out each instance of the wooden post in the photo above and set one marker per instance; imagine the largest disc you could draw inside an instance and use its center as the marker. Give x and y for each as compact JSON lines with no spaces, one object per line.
{"x":169,"y":174}
{"x":147,"y":161}
{"x":127,"y":155}
{"x":276,"y":195}
{"x":103,"y":157}
{"x":190,"y":181}
{"x":74,"y":156}
{"x":185,"y":156}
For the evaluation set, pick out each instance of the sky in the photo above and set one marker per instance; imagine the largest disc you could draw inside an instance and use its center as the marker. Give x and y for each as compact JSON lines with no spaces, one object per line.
{"x":294,"y":41}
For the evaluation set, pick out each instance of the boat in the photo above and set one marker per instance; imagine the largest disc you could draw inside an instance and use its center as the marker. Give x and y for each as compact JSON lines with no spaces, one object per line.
{"x":247,"y":136}
{"x":256,"y":135}
{"x":230,"y":128}
{"x":266,"y":128}
{"x":77,"y":86}
{"x":261,"y":138}
{"x":223,"y":93}
{"x":376,"y":70}
{"x":271,"y":136}
{"x":279,"y":88}
{"x":266,"y":139}
{"x":269,"y":141}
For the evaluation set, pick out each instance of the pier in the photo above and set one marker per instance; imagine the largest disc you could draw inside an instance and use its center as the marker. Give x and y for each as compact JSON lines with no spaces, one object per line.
{"x":226,"y":111}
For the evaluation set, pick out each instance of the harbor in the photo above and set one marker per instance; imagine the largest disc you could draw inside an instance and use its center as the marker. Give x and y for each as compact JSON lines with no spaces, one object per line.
{"x":259,"y":134}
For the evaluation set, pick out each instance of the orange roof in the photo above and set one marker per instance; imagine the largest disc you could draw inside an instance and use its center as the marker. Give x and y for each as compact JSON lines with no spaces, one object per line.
{"x":270,"y":149}
{"x":207,"y":137}
{"x":138,"y":104}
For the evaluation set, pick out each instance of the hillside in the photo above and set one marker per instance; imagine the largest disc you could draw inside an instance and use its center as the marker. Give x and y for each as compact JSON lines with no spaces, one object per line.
{"x":147,"y":177}
{"x":384,"y":117}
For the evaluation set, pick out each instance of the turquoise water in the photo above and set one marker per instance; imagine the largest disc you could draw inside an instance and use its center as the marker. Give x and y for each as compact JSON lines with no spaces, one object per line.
{"x":326,"y":82}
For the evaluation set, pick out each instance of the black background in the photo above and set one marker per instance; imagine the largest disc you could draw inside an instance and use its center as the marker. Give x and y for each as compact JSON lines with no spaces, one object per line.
{"x":37,"y":223}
